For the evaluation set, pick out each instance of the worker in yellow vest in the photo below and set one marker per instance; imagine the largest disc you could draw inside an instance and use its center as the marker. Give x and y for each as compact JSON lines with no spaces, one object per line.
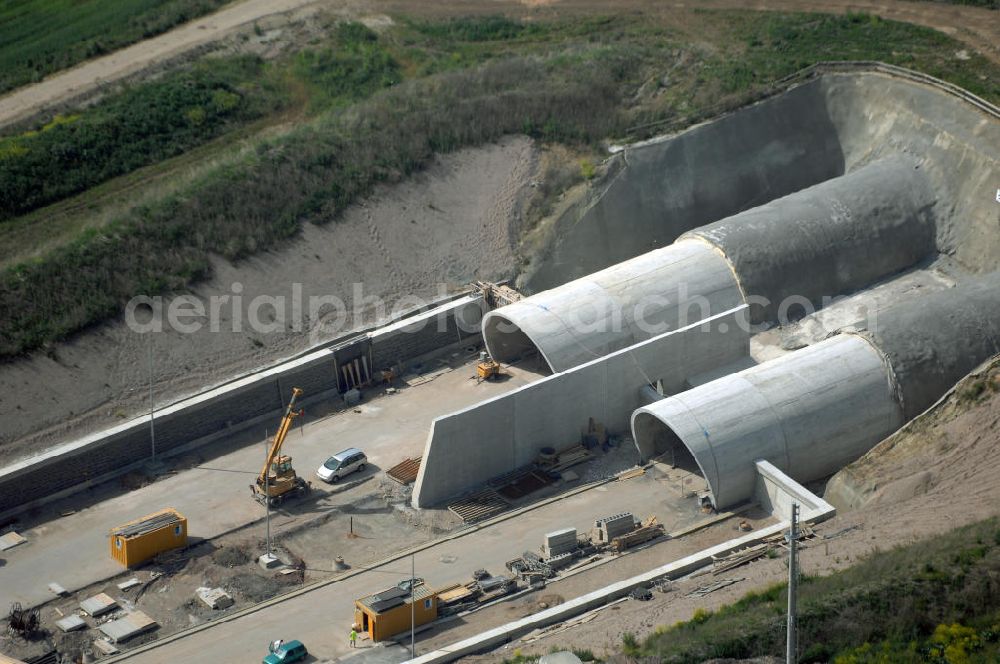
{"x":354,"y":636}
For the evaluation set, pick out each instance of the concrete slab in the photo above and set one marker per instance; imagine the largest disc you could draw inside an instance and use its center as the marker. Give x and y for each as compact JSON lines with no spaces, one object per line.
{"x":71,"y":623}
{"x":56,"y":589}
{"x":98,"y":605}
{"x":10,"y":540}
{"x":131,"y":625}
{"x":442,"y":564}
{"x":215,"y":598}
{"x":104,"y":647}
{"x":131,"y":583}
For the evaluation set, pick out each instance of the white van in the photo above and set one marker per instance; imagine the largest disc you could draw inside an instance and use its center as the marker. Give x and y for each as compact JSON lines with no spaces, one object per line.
{"x":343,"y":463}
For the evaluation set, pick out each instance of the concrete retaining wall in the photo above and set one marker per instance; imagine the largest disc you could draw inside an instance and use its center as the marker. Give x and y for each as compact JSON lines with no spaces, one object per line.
{"x":248,"y":401}
{"x":467,"y":448}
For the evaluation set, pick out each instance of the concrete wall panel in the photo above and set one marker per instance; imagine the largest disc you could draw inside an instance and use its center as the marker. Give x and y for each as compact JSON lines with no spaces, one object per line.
{"x":551,"y":412}
{"x":204,"y":418}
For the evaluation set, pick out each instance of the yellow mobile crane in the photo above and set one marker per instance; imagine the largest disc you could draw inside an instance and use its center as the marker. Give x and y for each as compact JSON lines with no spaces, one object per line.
{"x":277,"y":479}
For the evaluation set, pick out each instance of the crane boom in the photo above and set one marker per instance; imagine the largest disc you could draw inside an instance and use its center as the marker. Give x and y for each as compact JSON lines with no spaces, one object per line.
{"x":279,"y":438}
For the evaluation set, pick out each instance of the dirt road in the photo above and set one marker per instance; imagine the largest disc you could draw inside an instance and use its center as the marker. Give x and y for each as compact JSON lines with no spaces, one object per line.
{"x":979,"y":28}
{"x":88,"y":76}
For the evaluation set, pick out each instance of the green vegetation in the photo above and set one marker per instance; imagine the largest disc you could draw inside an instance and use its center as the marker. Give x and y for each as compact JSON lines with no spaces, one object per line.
{"x":986,"y":4}
{"x":38,"y":37}
{"x":934,"y":601}
{"x":379,"y":107}
{"x":142,"y":125}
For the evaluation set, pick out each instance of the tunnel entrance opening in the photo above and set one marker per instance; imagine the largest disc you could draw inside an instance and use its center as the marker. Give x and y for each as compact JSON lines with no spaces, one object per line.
{"x":507,"y":343}
{"x":656,"y":440}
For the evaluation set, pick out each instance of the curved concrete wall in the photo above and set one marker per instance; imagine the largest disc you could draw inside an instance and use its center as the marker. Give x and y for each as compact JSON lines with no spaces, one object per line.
{"x":615,"y":308}
{"x":933,"y":342}
{"x":808,"y":413}
{"x":826,"y":241}
{"x":830,"y":239}
{"x":656,"y":191}
{"x":823,"y":128}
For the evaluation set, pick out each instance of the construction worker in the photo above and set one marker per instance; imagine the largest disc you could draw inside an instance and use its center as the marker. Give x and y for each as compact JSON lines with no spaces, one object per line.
{"x":354,"y":636}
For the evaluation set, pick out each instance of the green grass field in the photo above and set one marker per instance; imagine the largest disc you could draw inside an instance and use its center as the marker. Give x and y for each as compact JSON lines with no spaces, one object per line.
{"x":38,"y":37}
{"x":378,"y":107}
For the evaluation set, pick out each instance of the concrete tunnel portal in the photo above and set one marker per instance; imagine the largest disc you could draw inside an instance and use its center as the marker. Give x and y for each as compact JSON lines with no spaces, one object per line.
{"x":904,"y":202}
{"x":830,"y":239}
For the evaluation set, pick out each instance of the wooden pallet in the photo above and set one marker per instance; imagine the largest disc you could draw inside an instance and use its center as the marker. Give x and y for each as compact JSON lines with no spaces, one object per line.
{"x":405,"y":472}
{"x":479,"y":506}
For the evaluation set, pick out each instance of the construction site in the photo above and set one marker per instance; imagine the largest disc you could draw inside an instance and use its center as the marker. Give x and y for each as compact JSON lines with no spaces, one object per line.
{"x":730,"y":327}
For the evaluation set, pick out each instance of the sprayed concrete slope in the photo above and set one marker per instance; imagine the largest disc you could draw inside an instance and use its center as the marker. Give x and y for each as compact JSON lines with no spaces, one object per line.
{"x":913,"y":175}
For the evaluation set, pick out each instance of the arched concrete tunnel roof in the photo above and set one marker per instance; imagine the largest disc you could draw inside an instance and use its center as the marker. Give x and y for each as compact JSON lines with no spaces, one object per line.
{"x":824,"y":241}
{"x":808,"y":413}
{"x":813,"y":411}
{"x":829,"y":239}
{"x":617,"y":307}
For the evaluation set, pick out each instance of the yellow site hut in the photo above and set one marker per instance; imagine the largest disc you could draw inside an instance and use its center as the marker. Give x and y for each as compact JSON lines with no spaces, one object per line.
{"x":138,"y":541}
{"x":387,"y":613}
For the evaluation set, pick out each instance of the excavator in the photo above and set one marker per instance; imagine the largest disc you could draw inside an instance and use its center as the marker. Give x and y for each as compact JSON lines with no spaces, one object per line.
{"x":277,"y":479}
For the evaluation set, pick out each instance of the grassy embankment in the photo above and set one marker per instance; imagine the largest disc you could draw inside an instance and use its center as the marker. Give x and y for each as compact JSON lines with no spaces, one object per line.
{"x":935,"y":601}
{"x":379,"y":108}
{"x":39,"y":37}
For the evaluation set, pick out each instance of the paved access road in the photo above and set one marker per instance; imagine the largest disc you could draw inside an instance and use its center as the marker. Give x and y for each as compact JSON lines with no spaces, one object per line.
{"x":322,"y":618}
{"x":215,"y":496}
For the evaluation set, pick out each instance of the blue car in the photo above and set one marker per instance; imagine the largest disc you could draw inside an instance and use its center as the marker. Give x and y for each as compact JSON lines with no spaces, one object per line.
{"x":290,"y":651}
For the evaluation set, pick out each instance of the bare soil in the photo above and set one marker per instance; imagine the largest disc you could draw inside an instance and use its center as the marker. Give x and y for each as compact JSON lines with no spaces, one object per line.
{"x":453,"y":223}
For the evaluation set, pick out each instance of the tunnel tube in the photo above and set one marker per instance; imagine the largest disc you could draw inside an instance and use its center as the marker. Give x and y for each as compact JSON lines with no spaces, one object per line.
{"x":813,"y":411}
{"x":615,"y":308}
{"x":825,"y":241}
{"x":809,"y":413}
{"x":934,"y":342}
{"x":828,"y":240}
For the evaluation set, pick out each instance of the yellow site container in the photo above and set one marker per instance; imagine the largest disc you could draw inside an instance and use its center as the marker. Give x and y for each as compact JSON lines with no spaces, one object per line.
{"x":387,"y":613}
{"x":137,"y":541}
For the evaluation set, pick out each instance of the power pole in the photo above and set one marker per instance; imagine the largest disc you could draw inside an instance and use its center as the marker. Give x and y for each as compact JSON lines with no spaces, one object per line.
{"x":791,"y":648}
{"x":413,"y":576}
{"x":152,"y":430}
{"x":267,"y":496}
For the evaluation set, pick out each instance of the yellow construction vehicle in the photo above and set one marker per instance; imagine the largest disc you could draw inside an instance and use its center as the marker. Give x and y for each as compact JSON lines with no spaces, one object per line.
{"x":487,"y":368}
{"x":277,"y":479}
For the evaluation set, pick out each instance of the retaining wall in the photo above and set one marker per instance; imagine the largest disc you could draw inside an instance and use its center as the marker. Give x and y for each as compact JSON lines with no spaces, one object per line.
{"x":467,"y":448}
{"x":205,"y":418}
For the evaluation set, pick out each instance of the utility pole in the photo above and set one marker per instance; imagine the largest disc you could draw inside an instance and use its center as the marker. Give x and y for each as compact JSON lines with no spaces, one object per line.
{"x":413,"y":576}
{"x":267,"y":497}
{"x":152,"y":430}
{"x":791,"y":648}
